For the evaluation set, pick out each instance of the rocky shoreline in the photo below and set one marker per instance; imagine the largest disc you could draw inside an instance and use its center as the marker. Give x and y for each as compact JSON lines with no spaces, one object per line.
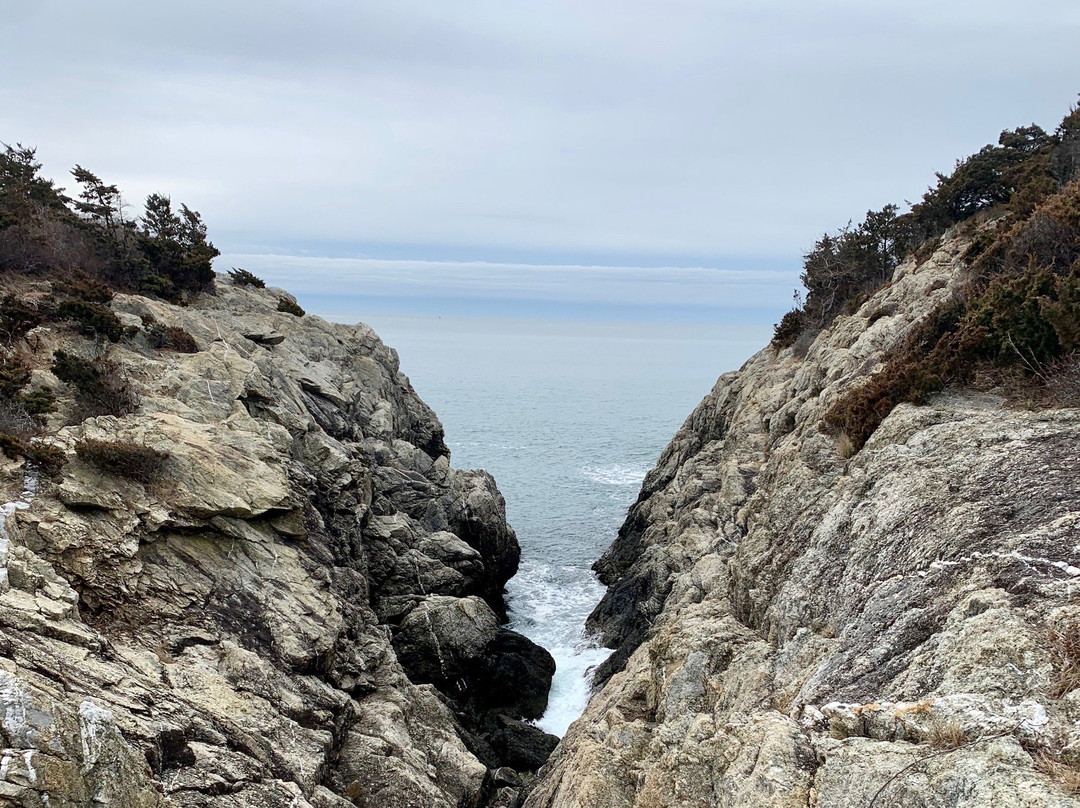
{"x":301,"y":606}
{"x":801,"y":624}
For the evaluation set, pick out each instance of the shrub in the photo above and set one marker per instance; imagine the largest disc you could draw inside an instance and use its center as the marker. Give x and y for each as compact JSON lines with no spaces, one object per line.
{"x":14,"y":376}
{"x":170,"y":338}
{"x":39,"y":402}
{"x":100,"y":386}
{"x":241,"y":277}
{"x":49,"y":459}
{"x":290,"y":306}
{"x":134,"y":461}
{"x":80,"y":286}
{"x":16,"y":319}
{"x":94,"y":319}
{"x":789,"y":329}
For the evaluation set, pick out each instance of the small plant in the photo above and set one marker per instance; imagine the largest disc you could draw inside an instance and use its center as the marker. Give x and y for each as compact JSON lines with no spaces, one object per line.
{"x":241,"y":277}
{"x":133,"y":461}
{"x":100,"y":386}
{"x":290,"y":306}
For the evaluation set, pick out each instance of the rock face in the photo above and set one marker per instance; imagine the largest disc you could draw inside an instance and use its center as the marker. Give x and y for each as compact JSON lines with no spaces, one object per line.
{"x":797,"y":626}
{"x":225,"y":633}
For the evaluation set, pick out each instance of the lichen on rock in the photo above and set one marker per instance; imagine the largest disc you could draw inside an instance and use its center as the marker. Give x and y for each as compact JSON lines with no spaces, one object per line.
{"x":221,"y":629}
{"x":799,"y":624}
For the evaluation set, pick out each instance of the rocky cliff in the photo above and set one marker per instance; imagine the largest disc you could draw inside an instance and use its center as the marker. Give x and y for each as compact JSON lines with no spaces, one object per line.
{"x":263,"y":586}
{"x":798,"y":623}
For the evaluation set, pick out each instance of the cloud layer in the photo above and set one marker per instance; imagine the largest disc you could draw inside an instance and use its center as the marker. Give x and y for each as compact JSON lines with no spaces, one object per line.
{"x":684,"y":132}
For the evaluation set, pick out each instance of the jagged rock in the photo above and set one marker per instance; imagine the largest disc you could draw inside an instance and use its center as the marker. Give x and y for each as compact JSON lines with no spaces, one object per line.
{"x":798,"y":626}
{"x":443,"y":638}
{"x":220,"y":635}
{"x":266,"y":338}
{"x":516,"y":677}
{"x":520,"y":745}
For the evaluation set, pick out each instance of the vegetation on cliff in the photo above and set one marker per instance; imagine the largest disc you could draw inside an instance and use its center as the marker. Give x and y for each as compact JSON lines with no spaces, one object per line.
{"x":1018,"y":313}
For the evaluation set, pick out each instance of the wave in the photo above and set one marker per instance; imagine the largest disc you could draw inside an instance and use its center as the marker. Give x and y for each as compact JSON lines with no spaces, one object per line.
{"x":617,"y":474}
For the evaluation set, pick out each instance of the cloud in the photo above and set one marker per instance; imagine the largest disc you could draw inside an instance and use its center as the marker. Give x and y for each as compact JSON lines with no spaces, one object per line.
{"x":681,"y":132}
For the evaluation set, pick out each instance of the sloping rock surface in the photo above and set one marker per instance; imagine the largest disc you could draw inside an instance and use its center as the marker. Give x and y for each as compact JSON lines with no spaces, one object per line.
{"x":796,"y":626}
{"x":223,"y":634}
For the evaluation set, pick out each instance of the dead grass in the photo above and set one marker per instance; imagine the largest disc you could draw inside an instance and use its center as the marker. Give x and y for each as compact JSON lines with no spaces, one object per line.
{"x":1064,"y":645}
{"x":946,"y":735}
{"x":844,"y":446}
{"x":1061,"y":773}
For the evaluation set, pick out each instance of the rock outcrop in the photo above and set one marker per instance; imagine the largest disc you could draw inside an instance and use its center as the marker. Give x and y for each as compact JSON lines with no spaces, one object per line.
{"x":797,"y":624}
{"x":224,"y":632}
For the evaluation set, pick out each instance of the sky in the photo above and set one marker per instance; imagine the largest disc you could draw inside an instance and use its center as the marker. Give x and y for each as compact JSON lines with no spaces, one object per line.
{"x":375,"y":138}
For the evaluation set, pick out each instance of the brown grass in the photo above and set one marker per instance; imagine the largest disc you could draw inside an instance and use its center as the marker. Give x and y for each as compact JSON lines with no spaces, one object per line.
{"x":1064,"y":645}
{"x":1061,"y":773}
{"x":946,"y":735}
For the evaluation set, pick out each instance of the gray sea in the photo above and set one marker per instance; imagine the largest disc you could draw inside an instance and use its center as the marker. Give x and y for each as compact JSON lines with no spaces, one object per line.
{"x":563,"y":381}
{"x":568,"y":415}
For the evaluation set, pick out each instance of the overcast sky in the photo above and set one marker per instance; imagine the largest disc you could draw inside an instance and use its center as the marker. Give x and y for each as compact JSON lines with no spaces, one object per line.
{"x":675,"y":133}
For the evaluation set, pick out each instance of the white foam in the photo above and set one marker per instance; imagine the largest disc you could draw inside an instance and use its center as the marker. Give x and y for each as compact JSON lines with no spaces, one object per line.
{"x":618,"y":474}
{"x":549,"y":605}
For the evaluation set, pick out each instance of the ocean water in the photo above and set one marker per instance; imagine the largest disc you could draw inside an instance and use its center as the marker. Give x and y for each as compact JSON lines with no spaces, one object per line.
{"x":568,"y":415}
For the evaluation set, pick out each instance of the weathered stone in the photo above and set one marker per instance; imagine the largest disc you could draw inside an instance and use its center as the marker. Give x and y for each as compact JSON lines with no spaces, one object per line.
{"x":797,"y":626}
{"x":207,"y":637}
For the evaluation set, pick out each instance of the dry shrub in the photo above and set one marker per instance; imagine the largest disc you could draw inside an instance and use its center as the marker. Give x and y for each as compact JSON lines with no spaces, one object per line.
{"x":49,"y":459}
{"x":16,"y":421}
{"x":946,"y":735}
{"x":134,"y":461}
{"x":170,"y":338}
{"x":844,"y":446}
{"x":1064,"y":646}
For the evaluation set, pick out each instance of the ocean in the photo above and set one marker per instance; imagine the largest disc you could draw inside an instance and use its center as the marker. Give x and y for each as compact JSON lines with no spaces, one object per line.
{"x":568,"y":415}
